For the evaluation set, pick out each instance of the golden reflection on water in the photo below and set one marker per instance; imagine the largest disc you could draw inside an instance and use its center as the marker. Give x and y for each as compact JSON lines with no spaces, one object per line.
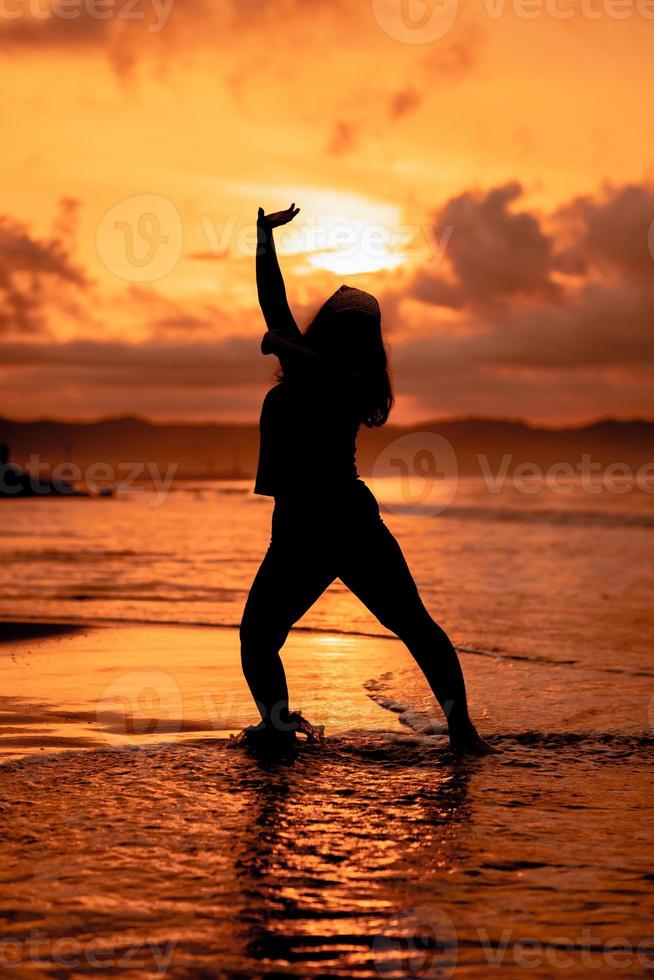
{"x":366,"y":857}
{"x":323,"y":871}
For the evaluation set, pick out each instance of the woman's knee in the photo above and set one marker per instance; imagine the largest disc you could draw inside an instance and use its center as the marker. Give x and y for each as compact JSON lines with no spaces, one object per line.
{"x":417,"y":629}
{"x":260,"y":636}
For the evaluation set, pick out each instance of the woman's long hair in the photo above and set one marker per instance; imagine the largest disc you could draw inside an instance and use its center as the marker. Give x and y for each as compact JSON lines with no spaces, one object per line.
{"x":352,"y":340}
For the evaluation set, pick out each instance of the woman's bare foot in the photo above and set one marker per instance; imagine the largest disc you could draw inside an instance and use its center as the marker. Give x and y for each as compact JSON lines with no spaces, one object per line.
{"x":468,"y":741}
{"x":276,"y":739}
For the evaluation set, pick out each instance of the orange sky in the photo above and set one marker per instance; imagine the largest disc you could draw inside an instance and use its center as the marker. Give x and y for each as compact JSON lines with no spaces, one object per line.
{"x":493,"y":185}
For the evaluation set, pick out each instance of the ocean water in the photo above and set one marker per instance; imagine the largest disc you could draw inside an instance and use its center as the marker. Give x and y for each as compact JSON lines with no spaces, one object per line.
{"x":366,"y":858}
{"x":558,"y":577}
{"x":376,"y":854}
{"x":555,"y":591}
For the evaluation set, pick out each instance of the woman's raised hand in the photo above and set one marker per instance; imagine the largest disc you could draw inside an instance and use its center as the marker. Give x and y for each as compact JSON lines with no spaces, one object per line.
{"x":278,"y":217}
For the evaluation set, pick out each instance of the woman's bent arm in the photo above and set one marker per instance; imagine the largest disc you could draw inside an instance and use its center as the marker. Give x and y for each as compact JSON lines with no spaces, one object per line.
{"x":288,"y":349}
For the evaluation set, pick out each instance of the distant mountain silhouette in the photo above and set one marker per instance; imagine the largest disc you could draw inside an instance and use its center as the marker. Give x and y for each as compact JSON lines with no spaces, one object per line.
{"x":222,"y":450}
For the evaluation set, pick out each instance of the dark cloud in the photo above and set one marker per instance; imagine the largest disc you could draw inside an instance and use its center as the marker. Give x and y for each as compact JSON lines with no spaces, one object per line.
{"x":251,"y":40}
{"x":129,"y":31}
{"x":228,"y":363}
{"x":494,"y":253}
{"x":26,"y":31}
{"x":564,"y":315}
{"x":599,"y":327}
{"x":608,"y":233}
{"x":404,"y":102}
{"x":36,"y":277}
{"x":124,"y":33}
{"x":217,"y":256}
{"x":343,"y":138}
{"x":456,"y":59}
{"x":453,"y":379}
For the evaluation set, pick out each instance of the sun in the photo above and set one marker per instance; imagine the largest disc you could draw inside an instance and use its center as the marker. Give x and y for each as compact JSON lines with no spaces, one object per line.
{"x":349,"y":234}
{"x":340,"y":232}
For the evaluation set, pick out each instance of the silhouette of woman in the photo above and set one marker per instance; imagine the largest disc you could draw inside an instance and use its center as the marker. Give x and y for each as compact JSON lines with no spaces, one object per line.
{"x":326,"y":522}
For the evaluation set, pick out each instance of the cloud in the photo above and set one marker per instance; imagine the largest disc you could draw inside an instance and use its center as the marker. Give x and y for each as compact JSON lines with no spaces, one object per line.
{"x":599,"y":327}
{"x":281,"y":39}
{"x":494,"y":252}
{"x":608,"y":233}
{"x":129,"y":31}
{"x":343,"y":138}
{"x":403,"y":102}
{"x":48,"y":30}
{"x":547,"y":316}
{"x":455,"y":59}
{"x":160,"y":317}
{"x":126,"y":32}
{"x":213,"y":256}
{"x":437,"y":379}
{"x":554,"y":310}
{"x":37,"y":276}
{"x":227,"y":363}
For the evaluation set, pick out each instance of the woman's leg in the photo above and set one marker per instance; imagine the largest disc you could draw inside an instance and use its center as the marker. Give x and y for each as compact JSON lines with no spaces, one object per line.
{"x":291,"y":577}
{"x":375,"y":569}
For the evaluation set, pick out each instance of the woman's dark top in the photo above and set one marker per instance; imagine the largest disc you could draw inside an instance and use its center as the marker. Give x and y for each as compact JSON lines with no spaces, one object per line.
{"x":308,"y":431}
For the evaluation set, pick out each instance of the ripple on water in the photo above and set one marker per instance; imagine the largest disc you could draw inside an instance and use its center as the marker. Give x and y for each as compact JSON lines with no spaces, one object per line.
{"x":370,"y":855}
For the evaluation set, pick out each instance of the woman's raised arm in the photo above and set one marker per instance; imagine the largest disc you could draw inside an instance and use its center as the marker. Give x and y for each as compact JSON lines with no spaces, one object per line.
{"x":270,"y":283}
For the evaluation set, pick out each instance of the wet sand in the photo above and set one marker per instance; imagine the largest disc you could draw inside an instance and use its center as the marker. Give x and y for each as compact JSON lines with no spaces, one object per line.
{"x":134,"y":843}
{"x":74,"y":685}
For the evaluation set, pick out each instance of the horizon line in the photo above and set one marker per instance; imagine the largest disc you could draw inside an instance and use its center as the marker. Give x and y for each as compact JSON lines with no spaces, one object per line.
{"x":515,"y":420}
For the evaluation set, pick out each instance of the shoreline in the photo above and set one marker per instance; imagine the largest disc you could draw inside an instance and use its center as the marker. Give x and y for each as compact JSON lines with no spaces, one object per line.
{"x":495,"y":653}
{"x":76,"y":684}
{"x":70,"y":684}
